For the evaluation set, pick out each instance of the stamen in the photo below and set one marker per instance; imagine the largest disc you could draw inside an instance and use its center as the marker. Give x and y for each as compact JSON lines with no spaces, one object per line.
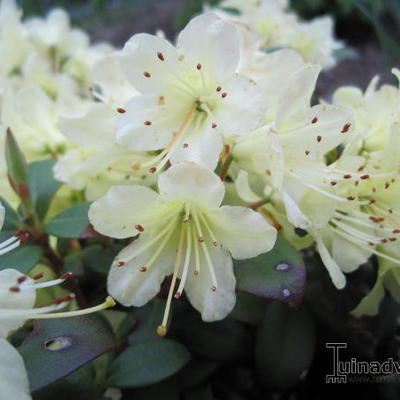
{"x":162,"y":329}
{"x":61,"y":279}
{"x":187,"y":260}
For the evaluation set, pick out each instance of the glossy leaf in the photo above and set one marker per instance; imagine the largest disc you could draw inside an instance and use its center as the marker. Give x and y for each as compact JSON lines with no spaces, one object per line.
{"x":147,"y":363}
{"x":278,"y":275}
{"x":285,"y":345}
{"x":23,"y":258}
{"x":42,"y":185}
{"x":57,"y":347}
{"x":70,"y":223}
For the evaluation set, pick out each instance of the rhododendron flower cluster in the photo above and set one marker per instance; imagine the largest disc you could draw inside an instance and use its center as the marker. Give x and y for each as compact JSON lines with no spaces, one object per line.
{"x":197,"y":151}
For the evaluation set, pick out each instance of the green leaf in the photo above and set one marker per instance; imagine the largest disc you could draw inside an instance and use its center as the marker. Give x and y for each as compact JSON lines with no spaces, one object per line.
{"x":42,"y":185}
{"x":147,"y":363}
{"x":16,"y":166}
{"x":278,"y":275}
{"x":99,"y":258}
{"x":248,"y":308}
{"x":58,"y":347}
{"x":70,"y":223}
{"x":285,"y":345}
{"x":23,"y":258}
{"x":11,"y":219}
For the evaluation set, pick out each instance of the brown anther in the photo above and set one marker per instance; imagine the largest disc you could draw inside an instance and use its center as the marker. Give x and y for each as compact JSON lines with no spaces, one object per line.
{"x":319,"y":138}
{"x":147,"y":74}
{"x":223,"y":95}
{"x":21,"y":279}
{"x":213,"y":125}
{"x":377,"y":220}
{"x":121,"y":110}
{"x":215,"y":244}
{"x":346,"y":128}
{"x":198,"y":66}
{"x":374,"y":189}
{"x":387,"y":184}
{"x":160,"y":56}
{"x":396,"y":231}
{"x":152,"y":170}
{"x":384,"y":240}
{"x":360,"y":169}
{"x":65,"y":276}
{"x":356,"y":183}
{"x":177,"y":295}
{"x":366,"y":176}
{"x":347,"y":176}
{"x":139,"y":228}
{"x":371,"y":243}
{"x":120,"y":263}
{"x":219,"y":88}
{"x":161,"y":100}
{"x":143,"y":269}
{"x":333,"y":183}
{"x":185,"y":145}
{"x":38,"y":276}
{"x":392,"y":239}
{"x":23,"y":235}
{"x":200,"y":239}
{"x":314,"y":120}
{"x":372,"y":201}
{"x":390,"y":210}
{"x":213,"y":288}
{"x":351,"y":198}
{"x":195,"y":272}
{"x":307,"y":152}
{"x":147,"y":123}
{"x":14,"y":289}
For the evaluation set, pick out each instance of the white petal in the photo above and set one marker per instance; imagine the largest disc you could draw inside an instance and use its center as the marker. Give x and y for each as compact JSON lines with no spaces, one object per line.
{"x":192,"y":148}
{"x":140,"y":57}
{"x":320,"y":137}
{"x":123,"y":207}
{"x":243,"y":188}
{"x":212,"y":42}
{"x":192,"y":182}
{"x":25,"y":299}
{"x":242,"y":231}
{"x":14,"y":382}
{"x":147,"y":124}
{"x":295,"y":100}
{"x":336,"y":274}
{"x":128,"y":284}
{"x":92,"y":128}
{"x":347,"y":255}
{"x":294,"y":214}
{"x":243,"y":109}
{"x":213,"y":305}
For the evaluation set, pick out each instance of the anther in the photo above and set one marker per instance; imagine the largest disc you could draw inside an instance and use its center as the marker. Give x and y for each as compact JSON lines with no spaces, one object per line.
{"x":139,"y":228}
{"x":396,"y":231}
{"x":198,"y":66}
{"x":319,"y":138}
{"x":161,"y":330}
{"x":147,"y":74}
{"x":366,"y":176}
{"x":177,"y":295}
{"x":38,"y":276}
{"x":121,"y":110}
{"x":160,"y":56}
{"x":307,"y":152}
{"x":219,"y":88}
{"x":120,"y":263}
{"x":346,"y":128}
{"x":143,"y":269}
{"x":215,"y":244}
{"x":14,"y":289}
{"x":333,"y":183}
{"x":195,"y":272}
{"x":213,"y":288}
{"x":147,"y":123}
{"x":153,"y":170}
{"x":66,"y":276}
{"x":214,"y":125}
{"x":347,"y":176}
{"x":392,"y":239}
{"x":314,"y":120}
{"x":21,"y":279}
{"x":200,"y":239}
{"x":351,"y":198}
{"x":185,"y":145}
{"x":223,"y":95}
